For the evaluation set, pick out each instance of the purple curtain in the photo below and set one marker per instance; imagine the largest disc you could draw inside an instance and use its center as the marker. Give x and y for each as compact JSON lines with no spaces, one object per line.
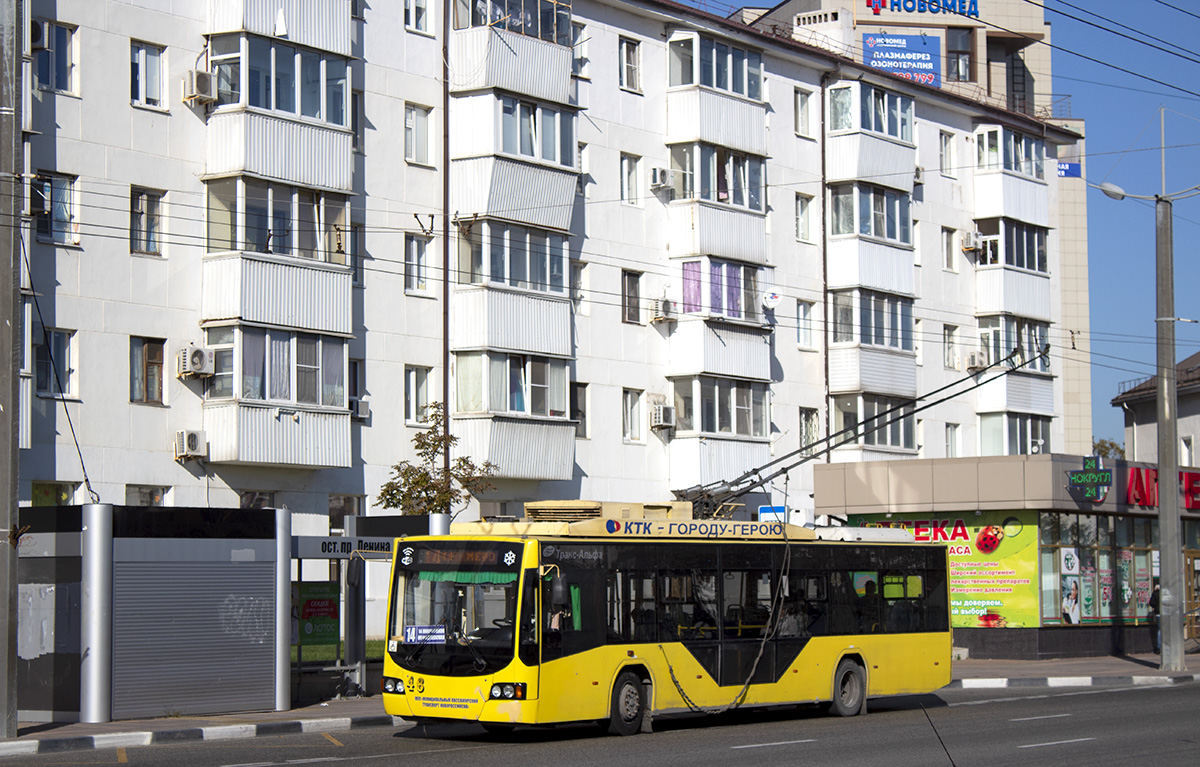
{"x":715,"y":283}
{"x":733,"y":306}
{"x":691,"y":286}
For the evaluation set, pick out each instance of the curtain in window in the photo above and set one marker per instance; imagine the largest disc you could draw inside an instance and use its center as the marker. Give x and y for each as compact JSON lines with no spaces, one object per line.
{"x":733,"y":291}
{"x":716,"y":285}
{"x":691,"y":286}
{"x":333,"y":374}
{"x":137,"y":370}
{"x":498,"y":382}
{"x":469,"y":374}
{"x":516,"y":383}
{"x":558,"y":387}
{"x":253,"y":363}
{"x":281,"y":366}
{"x":306,"y":369}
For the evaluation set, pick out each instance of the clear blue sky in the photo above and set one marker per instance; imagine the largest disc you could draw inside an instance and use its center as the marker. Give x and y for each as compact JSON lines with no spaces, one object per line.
{"x":1122,"y":114}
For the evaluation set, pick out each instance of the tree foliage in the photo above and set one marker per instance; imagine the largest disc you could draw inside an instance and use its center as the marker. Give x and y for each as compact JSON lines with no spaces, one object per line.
{"x":1107,"y":448}
{"x":424,"y":487}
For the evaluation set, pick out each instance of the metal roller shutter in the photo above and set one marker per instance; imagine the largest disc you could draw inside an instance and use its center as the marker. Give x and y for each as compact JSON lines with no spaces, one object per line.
{"x":192,"y":638}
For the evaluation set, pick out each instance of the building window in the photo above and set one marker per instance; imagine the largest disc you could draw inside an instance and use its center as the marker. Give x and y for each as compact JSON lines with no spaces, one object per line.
{"x":256,"y":499}
{"x":882,"y":213}
{"x":581,"y":181}
{"x":628,"y":55}
{"x":416,"y":134}
{"x":356,"y":380}
{"x":917,"y":345}
{"x":951,"y":440}
{"x":631,"y":415}
{"x":52,"y":493}
{"x":885,"y":319}
{"x":145,"y":221}
{"x":721,"y":66}
{"x":946,"y":153}
{"x":810,"y":430}
{"x":950,"y":346}
{"x":841,"y":112}
{"x":1000,"y":336}
{"x":220,"y":383}
{"x":726,"y":406}
{"x":538,"y":131}
{"x":357,"y":121}
{"x":579,"y":59}
{"x":1028,"y":434}
{"x":340,"y":507}
{"x":888,"y":421}
{"x":726,"y":176}
{"x":958,"y":54}
{"x":414,"y":264}
{"x":526,"y":258}
{"x":280,"y":78}
{"x":1025,"y":246}
{"x":551,"y":21}
{"x":629,"y":178}
{"x":579,"y":300}
{"x":1187,"y":456}
{"x":416,"y":393}
{"x":146,"y":369}
{"x":732,"y":289}
{"x":804,"y":324}
{"x":278,"y":366}
{"x":415,"y":15}
{"x":277,"y":219}
{"x":145,"y":495}
{"x":949,"y":251}
{"x":803,"y":228}
{"x":55,"y":63}
{"x":1020,"y":153}
{"x":511,"y":383}
{"x":880,"y":111}
{"x":54,"y":363}
{"x":579,"y":409}
{"x":803,"y":113}
{"x":145,"y":74}
{"x":52,"y":202}
{"x":631,"y":306}
{"x":357,"y":252}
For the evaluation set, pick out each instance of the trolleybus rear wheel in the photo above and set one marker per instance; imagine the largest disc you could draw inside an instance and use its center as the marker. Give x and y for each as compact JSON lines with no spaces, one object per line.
{"x":628,"y":705}
{"x":848,"y":689}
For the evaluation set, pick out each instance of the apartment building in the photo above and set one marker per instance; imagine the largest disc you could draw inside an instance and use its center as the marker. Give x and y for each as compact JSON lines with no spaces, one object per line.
{"x":680,"y":246}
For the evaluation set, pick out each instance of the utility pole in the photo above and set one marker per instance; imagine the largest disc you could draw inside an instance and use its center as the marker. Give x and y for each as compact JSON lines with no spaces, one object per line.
{"x":12,"y":45}
{"x":446,"y":243}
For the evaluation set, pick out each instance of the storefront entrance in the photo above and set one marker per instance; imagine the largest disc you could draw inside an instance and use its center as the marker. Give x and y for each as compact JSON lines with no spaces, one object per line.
{"x":1191,"y":567}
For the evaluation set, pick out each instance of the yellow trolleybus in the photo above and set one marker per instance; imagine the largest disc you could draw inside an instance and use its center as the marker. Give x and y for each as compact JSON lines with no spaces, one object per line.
{"x":641,"y":610}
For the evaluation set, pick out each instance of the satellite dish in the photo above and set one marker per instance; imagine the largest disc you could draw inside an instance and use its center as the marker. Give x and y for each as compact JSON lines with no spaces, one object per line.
{"x":771,"y":299}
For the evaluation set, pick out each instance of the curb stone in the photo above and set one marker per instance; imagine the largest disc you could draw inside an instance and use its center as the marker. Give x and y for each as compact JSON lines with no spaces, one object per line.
{"x":992,"y":683}
{"x":213,"y":733}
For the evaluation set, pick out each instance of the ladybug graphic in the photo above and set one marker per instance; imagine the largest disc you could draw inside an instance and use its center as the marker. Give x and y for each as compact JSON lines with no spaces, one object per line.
{"x":989,"y":538}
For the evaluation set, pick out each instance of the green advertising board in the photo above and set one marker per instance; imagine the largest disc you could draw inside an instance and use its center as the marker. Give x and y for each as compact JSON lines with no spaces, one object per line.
{"x":993,"y":563}
{"x":315,"y":613}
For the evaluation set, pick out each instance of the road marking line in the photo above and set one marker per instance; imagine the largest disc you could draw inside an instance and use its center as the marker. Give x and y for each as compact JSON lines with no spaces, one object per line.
{"x":332,"y":739}
{"x":780,"y":743}
{"x":121,"y":757}
{"x":1056,"y":743}
{"x":1035,"y":718}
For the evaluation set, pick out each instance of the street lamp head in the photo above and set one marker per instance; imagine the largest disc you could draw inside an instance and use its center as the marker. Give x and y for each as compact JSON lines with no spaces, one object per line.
{"x":1112,"y":190}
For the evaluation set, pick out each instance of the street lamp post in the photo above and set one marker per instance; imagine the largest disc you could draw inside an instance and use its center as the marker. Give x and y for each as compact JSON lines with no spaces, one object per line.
{"x":1170,"y":618}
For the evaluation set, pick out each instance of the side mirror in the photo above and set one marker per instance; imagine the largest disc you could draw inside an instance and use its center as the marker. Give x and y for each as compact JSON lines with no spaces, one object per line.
{"x":558,"y":591}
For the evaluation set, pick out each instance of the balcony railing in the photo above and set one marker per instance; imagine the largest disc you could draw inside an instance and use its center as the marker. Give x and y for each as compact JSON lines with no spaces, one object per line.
{"x":1000,"y":290}
{"x":263,"y":434}
{"x":700,"y":114}
{"x":487,"y":57}
{"x":323,"y":24}
{"x":486,"y":317}
{"x":874,"y":369}
{"x":289,"y":150}
{"x":701,"y":460}
{"x":525,"y":192}
{"x":522,"y":448}
{"x":1000,"y":193}
{"x":720,"y":348}
{"x":276,"y":290}
{"x":872,"y":158}
{"x":707,"y":228}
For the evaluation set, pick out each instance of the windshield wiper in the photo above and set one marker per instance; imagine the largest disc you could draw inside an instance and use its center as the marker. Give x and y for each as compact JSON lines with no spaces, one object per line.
{"x":415,"y":653}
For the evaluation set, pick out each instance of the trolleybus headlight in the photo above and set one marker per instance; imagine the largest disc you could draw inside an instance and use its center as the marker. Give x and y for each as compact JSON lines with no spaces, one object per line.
{"x":392,"y":685}
{"x":496,"y":691}
{"x":509,"y":691}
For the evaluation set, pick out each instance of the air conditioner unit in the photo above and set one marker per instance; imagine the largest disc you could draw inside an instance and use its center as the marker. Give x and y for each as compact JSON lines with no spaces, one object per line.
{"x":976,"y":361}
{"x":919,"y":175}
{"x":972,"y":241}
{"x":39,"y":35}
{"x":360,"y":409}
{"x":196,"y":361}
{"x":662,"y":417}
{"x":661,"y":178}
{"x":190,"y":443}
{"x":661,"y":309}
{"x":199,"y":85}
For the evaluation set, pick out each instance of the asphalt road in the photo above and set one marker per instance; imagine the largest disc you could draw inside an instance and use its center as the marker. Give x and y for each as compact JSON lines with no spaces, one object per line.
{"x":966,"y":728}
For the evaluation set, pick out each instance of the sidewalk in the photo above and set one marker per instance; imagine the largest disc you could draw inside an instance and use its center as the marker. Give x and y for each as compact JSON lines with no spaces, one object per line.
{"x":338,"y":715}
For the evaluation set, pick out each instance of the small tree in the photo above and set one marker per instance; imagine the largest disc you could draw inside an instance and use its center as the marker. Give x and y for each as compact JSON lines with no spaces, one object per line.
{"x":424,"y":487}
{"x":1107,"y":448}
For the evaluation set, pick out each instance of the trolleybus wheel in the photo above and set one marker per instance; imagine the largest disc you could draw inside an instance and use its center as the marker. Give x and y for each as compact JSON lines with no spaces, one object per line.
{"x":628,"y":705}
{"x":848,"y":689}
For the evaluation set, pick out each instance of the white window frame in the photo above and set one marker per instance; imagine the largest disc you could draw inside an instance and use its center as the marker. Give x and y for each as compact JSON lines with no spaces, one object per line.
{"x":58,"y":198}
{"x":631,"y":416}
{"x":326,"y":240}
{"x":809,"y":432}
{"x":529,"y":129}
{"x":804,"y":217}
{"x":950,"y":356}
{"x":416,"y":134}
{"x":714,"y":277}
{"x":885,"y":112}
{"x":1025,"y":247}
{"x":416,"y":16}
{"x":724,"y":407}
{"x":630,"y":179}
{"x":491,"y":379}
{"x":1000,"y":148}
{"x":145,"y":220}
{"x":48,"y":64}
{"x":526,"y":258}
{"x":416,"y":394}
{"x":57,"y":366}
{"x":900,"y":430}
{"x":716,"y":64}
{"x":885,"y":320}
{"x":629,"y":54}
{"x":949,"y":249}
{"x":952,"y":440}
{"x":804,"y":324}
{"x":230,"y":343}
{"x":331,"y":84}
{"x":631,"y":291}
{"x":803,"y":113}
{"x":579,"y":58}
{"x":871,"y":208}
{"x":578,"y":408}
{"x":579,"y":288}
{"x":416,"y":265}
{"x":137,"y":495}
{"x":147,"y":75}
{"x":946,"y":154}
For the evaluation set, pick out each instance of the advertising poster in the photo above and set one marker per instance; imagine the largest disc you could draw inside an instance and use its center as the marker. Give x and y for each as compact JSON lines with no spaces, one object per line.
{"x":1069,"y":569}
{"x":993,"y":563}
{"x":913,"y":57}
{"x":315,"y":613}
